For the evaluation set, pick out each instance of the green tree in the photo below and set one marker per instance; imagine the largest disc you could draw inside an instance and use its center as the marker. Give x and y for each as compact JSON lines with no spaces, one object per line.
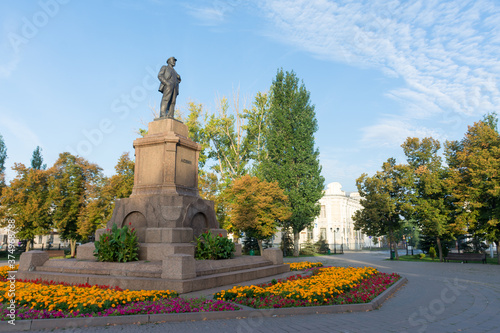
{"x":26,"y":201}
{"x":292,"y":160}
{"x":104,"y":192}
{"x":3,"y":157}
{"x":256,"y":206}
{"x":72,"y":187}
{"x":229,"y":146}
{"x":196,"y":131}
{"x":232,"y":138}
{"x":385,"y":202}
{"x":475,"y":165}
{"x":430,"y":194}
{"x":37,"y":159}
{"x":257,"y":127}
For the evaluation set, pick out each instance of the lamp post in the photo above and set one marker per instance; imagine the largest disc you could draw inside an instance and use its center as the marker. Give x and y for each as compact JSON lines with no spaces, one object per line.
{"x":406,"y":240}
{"x":335,"y":240}
{"x":412,"y":244}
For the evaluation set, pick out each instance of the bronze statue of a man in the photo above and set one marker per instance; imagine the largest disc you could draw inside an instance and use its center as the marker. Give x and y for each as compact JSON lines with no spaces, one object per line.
{"x":169,"y":86}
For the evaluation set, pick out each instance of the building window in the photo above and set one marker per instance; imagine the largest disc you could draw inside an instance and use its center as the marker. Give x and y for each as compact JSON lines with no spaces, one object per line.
{"x":323,"y":233}
{"x":323,"y":211}
{"x":310,"y":234}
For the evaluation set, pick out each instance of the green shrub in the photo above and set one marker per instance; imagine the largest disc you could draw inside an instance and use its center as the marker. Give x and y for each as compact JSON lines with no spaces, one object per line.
{"x":249,"y":244}
{"x":432,"y":252}
{"x":321,"y":246}
{"x":307,"y":249}
{"x":421,"y":255}
{"x":120,"y":245}
{"x":287,"y":245}
{"x":210,"y":247}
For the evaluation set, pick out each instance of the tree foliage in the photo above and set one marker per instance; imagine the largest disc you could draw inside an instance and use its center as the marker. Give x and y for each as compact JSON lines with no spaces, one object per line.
{"x":26,"y":201}
{"x":256,"y":207}
{"x":384,"y":200}
{"x":475,"y":167}
{"x":431,"y":198}
{"x":104,"y":193}
{"x":292,"y":159}
{"x":73,"y":187}
{"x":3,"y":157}
{"x":232,"y":140}
{"x":37,"y":159}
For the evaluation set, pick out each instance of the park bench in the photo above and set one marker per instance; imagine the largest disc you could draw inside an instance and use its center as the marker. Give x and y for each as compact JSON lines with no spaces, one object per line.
{"x":466,"y":256}
{"x":55,"y":253}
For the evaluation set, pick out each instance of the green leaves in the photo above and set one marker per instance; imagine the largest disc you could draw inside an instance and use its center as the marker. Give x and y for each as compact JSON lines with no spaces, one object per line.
{"x":293,"y":160}
{"x":26,"y":200}
{"x":475,"y":178}
{"x":210,"y":247}
{"x":119,"y":245}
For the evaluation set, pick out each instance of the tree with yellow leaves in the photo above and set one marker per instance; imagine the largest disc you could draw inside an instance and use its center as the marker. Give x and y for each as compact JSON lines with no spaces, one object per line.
{"x":26,"y":201}
{"x":256,"y":207}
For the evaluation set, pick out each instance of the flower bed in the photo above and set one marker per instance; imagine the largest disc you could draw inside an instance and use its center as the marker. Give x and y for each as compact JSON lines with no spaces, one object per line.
{"x":4,"y":271}
{"x":37,"y":300}
{"x":300,"y":266}
{"x":326,"y":286}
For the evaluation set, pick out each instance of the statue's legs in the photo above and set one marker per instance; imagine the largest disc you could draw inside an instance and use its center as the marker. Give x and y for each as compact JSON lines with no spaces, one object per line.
{"x":163,"y":107}
{"x":166,"y":103}
{"x":171,"y":106}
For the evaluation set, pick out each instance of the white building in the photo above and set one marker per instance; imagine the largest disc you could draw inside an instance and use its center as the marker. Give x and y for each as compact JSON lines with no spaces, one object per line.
{"x":335,"y":222}
{"x":39,"y":242}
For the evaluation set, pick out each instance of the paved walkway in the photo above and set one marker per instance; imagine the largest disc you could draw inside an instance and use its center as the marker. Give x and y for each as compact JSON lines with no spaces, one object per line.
{"x":448,"y":297}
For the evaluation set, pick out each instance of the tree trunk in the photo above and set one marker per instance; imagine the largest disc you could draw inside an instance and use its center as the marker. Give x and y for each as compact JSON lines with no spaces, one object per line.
{"x":390,"y":245}
{"x":498,"y":256}
{"x":296,"y":245}
{"x":72,"y":244}
{"x":396,"y":250}
{"x":28,"y":244}
{"x":261,"y":250}
{"x":440,"y":249}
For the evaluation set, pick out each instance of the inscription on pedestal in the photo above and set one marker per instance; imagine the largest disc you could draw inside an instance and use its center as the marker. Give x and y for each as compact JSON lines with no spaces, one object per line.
{"x":186,"y":171}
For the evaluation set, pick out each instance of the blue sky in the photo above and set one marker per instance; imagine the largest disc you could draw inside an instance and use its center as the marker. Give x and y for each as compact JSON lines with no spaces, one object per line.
{"x":80,"y":76}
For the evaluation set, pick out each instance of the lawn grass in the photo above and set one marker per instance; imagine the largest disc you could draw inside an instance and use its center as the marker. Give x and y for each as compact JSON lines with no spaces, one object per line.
{"x":492,"y":261}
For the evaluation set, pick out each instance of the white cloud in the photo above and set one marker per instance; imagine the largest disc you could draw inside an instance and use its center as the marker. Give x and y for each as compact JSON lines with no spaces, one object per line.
{"x":446,"y":52}
{"x":21,"y":132}
{"x":212,"y":13}
{"x":391,"y":132}
{"x":7,"y":68}
{"x":207,"y":15}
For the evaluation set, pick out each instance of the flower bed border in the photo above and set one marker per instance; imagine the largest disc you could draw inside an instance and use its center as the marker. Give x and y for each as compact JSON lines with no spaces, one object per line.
{"x":38,"y":324}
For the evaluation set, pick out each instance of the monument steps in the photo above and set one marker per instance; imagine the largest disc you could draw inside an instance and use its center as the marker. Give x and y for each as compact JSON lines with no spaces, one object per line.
{"x":151,"y":269}
{"x":153,"y":283}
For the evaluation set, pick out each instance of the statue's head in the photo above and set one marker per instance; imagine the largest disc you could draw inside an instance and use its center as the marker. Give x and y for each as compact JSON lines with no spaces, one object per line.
{"x":171,"y":61}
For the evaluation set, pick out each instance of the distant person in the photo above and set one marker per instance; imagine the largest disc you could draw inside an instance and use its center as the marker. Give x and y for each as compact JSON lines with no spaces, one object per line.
{"x":169,"y":86}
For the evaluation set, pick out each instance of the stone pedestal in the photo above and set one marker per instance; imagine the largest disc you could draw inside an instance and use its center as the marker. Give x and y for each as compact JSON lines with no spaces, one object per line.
{"x":31,"y":259}
{"x":179,"y":267}
{"x":274,"y":255}
{"x":166,"y":160}
{"x":237,"y":250}
{"x":165,"y":208}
